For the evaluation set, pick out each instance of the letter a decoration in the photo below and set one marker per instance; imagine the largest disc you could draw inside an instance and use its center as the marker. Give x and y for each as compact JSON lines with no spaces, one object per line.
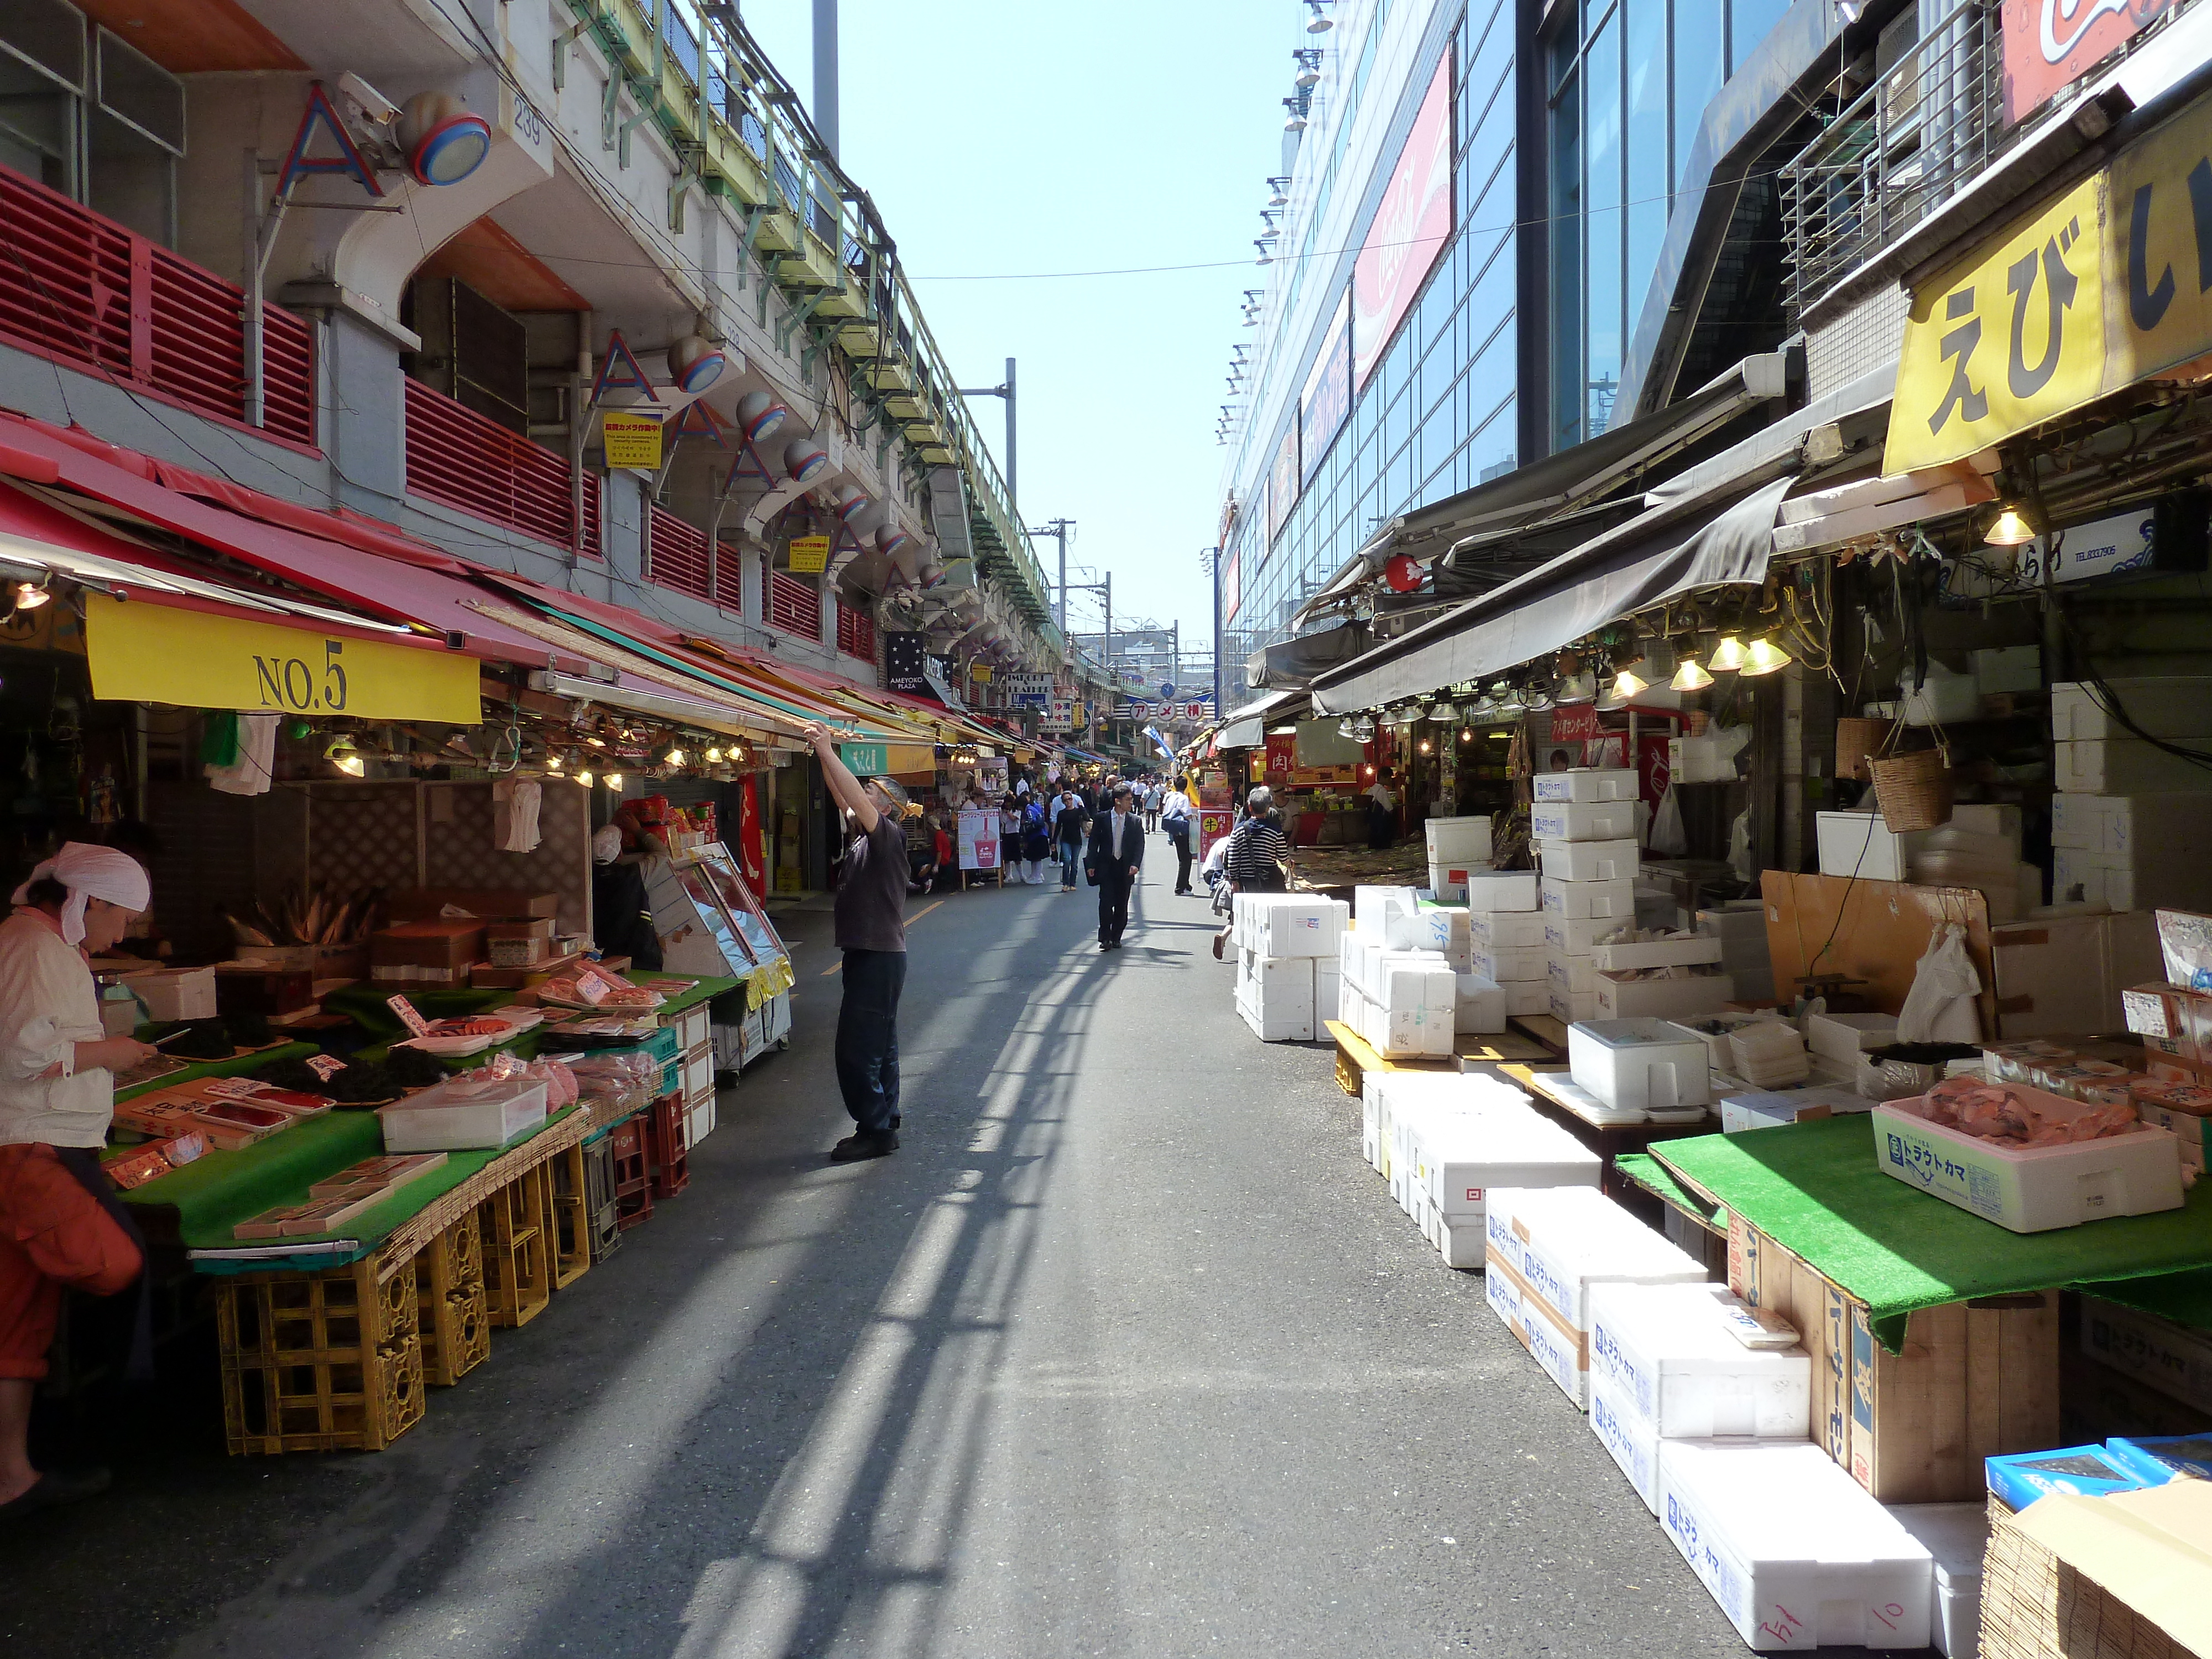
{"x":349,"y":161}
{"x":619,"y":371}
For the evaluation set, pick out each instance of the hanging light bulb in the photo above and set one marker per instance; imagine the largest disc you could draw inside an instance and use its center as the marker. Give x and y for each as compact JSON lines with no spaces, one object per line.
{"x":552,"y":761}
{"x":33,"y":594}
{"x":1689,"y":677}
{"x":1728,"y":656}
{"x":1764,"y":658}
{"x":1427,"y":748}
{"x":1467,"y":734}
{"x":2011,"y":529}
{"x":1318,"y":23}
{"x":1444,"y":714}
{"x":584,"y":776}
{"x":614,"y":781}
{"x":1627,"y":683}
{"x":714,"y":757}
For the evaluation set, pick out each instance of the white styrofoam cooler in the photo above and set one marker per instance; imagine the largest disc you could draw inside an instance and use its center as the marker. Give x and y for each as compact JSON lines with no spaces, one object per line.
{"x":1860,"y":844}
{"x":1458,"y":1160}
{"x":1793,"y":1549}
{"x":1587,"y":783}
{"x":1444,"y":930}
{"x":2034,"y":1189}
{"x":1479,"y":1006}
{"x":1627,"y":1435}
{"x":1957,"y":1536}
{"x":464,"y":1112}
{"x":1458,"y":841}
{"x":1282,"y":924}
{"x":1566,"y":1007}
{"x":1506,"y":930}
{"x":1371,"y":906}
{"x":1657,"y":953}
{"x":1581,"y":900}
{"x":1528,"y":996}
{"x":1559,"y":1352}
{"x":1661,"y":998}
{"x":1640,"y":1063}
{"x":1493,"y":890}
{"x":1670,"y":1350}
{"x":1581,"y":820}
{"x":1579,"y":936}
{"x":1588,"y":860}
{"x":1563,"y":1239}
{"x":2165,"y":708}
{"x":1507,"y":967}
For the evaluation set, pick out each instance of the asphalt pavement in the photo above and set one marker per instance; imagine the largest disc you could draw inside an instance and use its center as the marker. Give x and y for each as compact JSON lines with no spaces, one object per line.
{"x":1126,"y":1352}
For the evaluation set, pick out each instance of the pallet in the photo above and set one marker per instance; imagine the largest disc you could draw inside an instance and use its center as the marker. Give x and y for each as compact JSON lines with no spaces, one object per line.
{"x":1355,"y":1058}
{"x":455,"y":1315}
{"x":1543,"y":1029}
{"x":602,"y":1213}
{"x":518,"y":1235}
{"x":665,"y":1152}
{"x":327,"y":1361}
{"x":571,"y":1216}
{"x":633,"y":1173}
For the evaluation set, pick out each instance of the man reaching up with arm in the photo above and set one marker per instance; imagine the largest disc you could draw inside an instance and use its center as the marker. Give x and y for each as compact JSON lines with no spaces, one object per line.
{"x":870,"y":917}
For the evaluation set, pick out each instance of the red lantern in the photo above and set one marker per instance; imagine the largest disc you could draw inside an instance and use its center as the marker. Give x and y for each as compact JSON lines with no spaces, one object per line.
{"x":1404,"y":575}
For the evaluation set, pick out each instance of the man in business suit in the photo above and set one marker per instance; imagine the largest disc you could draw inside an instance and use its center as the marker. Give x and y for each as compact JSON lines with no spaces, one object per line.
{"x":1117,"y":848}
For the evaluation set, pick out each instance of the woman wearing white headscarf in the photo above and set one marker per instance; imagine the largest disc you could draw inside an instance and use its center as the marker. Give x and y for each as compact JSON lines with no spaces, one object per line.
{"x":60,"y":1225}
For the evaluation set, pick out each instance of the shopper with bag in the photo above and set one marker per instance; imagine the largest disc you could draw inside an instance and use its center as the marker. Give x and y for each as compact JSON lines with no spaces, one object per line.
{"x":1071,"y":827}
{"x":1259,"y":857}
{"x":1180,"y":820}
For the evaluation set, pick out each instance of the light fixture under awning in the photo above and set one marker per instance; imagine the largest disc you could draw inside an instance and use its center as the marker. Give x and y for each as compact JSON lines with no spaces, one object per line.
{"x":1671,"y":550}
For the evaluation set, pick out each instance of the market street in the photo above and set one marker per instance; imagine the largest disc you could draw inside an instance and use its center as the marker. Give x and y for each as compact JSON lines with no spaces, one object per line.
{"x":1126,"y":1352}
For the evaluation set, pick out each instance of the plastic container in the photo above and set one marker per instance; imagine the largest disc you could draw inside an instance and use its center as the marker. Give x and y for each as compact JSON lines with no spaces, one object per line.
{"x":1670,"y":1351}
{"x":1795,"y":1552}
{"x":463,"y":1112}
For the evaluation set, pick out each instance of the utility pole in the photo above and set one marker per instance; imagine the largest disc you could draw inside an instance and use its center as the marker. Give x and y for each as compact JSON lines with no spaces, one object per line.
{"x":1210,"y":559}
{"x":1006,"y":391}
{"x":1058,"y":529}
{"x":825,"y":73}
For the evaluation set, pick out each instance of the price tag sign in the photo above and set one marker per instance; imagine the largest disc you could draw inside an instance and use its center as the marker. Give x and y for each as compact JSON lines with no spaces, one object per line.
{"x":325,"y":1066}
{"x":409,"y":1016}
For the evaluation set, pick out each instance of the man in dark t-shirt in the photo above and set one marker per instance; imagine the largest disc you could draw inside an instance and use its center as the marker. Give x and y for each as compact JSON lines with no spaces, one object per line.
{"x":871,"y":918}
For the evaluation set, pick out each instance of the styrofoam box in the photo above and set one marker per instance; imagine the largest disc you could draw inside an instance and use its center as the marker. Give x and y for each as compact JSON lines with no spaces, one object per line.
{"x":1563,"y":1239}
{"x":1718,"y":1054}
{"x":1957,"y":1536}
{"x":1506,"y":930}
{"x":1771,"y":1109}
{"x":1843,"y":1036}
{"x":1298,"y":926}
{"x":1576,"y":976}
{"x":1528,"y":996}
{"x":1860,"y":844}
{"x":2176,"y":878}
{"x":1793,"y":1549}
{"x":1479,"y":1006}
{"x":1449,"y":881}
{"x":1579,"y":936}
{"x":1656,"y":953}
{"x":2034,"y":1189}
{"x":1370,"y":905}
{"x":1493,"y":890}
{"x":1662,"y":998}
{"x":1501,"y":1286}
{"x":1557,"y":1352}
{"x":1578,"y":901}
{"x":1509,"y":967}
{"x":2173,"y":1358}
{"x":1416,"y":978}
{"x":1588,"y":860}
{"x":1640,"y":1064}
{"x":462,"y":1113}
{"x":2163,"y":824}
{"x":1460,"y":839}
{"x":1631,"y":1438}
{"x":1587,"y":783}
{"x":1737,"y":919}
{"x":2169,"y":707}
{"x":1566,"y":1007}
{"x":2128,"y":766}
{"x":1460,"y":1160}
{"x":1279,"y":1015}
{"x":1670,"y":1349}
{"x":1441,"y":930}
{"x":1581,"y":820}
{"x":1458,"y":1242}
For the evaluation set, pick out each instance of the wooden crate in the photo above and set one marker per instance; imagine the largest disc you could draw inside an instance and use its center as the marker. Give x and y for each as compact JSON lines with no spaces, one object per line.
{"x":516,"y":1222}
{"x":2034,"y":1606}
{"x":328,"y":1361}
{"x":571,"y":1214}
{"x":456,"y":1315}
{"x":1974,"y":1379}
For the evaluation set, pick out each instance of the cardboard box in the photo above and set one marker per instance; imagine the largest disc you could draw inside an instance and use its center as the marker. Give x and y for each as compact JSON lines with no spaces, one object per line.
{"x":1796,"y":1555}
{"x":1662,"y":998}
{"x":2033,"y":1189}
{"x":479,"y":903}
{"x":2171,"y":1359}
{"x":239,"y":989}
{"x":426,"y":952}
{"x":1568,"y":820}
{"x":322,"y":961}
{"x":1915,"y":1426}
{"x":1494,"y":891}
{"x":1579,"y":901}
{"x":1587,"y":784}
{"x":2082,"y":1575}
{"x":518,"y":953}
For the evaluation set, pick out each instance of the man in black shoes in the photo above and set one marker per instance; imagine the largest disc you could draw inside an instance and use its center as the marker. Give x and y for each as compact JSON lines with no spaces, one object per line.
{"x":870,"y":917}
{"x":1117,"y":849}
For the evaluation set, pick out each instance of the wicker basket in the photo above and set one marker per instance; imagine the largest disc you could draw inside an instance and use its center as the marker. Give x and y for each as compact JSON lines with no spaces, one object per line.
{"x":1858,"y":742}
{"x":1914,"y":790}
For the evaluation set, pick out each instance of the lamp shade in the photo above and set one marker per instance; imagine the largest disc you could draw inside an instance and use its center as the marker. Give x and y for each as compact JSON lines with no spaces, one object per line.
{"x":1764,"y":658}
{"x":2011,"y":529}
{"x":803,"y":462}
{"x":1690,"y":678}
{"x":1728,"y":656}
{"x":760,"y":414}
{"x":442,"y":141}
{"x":694,"y":363}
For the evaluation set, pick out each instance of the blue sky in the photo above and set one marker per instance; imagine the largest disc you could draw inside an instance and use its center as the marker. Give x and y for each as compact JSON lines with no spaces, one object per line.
{"x":1024,"y":136}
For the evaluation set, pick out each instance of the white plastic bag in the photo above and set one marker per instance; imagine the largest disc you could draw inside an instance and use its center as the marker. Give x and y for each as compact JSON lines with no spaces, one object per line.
{"x":1941,"y":1006}
{"x":1668,"y":838}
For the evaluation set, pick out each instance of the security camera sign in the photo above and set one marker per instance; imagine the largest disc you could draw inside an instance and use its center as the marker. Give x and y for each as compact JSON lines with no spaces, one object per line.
{"x":631,"y":440}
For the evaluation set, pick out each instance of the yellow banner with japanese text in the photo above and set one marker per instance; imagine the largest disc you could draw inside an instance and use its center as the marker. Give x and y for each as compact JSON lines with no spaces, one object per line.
{"x":142,"y":653}
{"x":2099,"y":289}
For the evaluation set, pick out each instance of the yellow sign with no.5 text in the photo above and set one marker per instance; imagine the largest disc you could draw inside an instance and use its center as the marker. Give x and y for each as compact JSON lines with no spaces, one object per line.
{"x":142,"y":653}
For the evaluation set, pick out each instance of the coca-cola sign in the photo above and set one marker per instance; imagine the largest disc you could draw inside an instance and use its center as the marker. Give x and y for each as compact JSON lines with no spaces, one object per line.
{"x":2049,"y":44}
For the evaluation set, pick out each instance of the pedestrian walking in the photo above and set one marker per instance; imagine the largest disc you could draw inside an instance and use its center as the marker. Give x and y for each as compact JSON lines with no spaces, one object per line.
{"x":1071,"y":828}
{"x":1036,"y":842}
{"x":870,"y":922}
{"x":1117,"y":851}
{"x":1154,"y":798}
{"x":1010,"y":840}
{"x":61,"y":1226}
{"x":1258,"y":856}
{"x":1180,"y":819}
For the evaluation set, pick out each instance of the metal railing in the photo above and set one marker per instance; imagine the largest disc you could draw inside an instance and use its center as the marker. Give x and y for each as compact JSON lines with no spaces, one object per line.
{"x":679,"y":554}
{"x":794,"y":606}
{"x":78,"y":287}
{"x":1898,"y":151}
{"x":856,"y":633}
{"x":465,"y":460}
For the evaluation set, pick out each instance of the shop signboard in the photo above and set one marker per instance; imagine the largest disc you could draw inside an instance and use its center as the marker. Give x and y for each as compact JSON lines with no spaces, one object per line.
{"x":2051,"y":44}
{"x":1326,"y":402}
{"x":865,"y":760}
{"x":904,"y":659}
{"x":2100,"y":288}
{"x":1213,"y":822}
{"x":1574,"y":722}
{"x":1282,"y":759}
{"x":1059,"y":716}
{"x":979,"y":840}
{"x":1412,"y":224}
{"x":631,"y":440}
{"x":752,"y":849}
{"x":143,"y":653}
{"x":1232,"y":592}
{"x":810,"y":554}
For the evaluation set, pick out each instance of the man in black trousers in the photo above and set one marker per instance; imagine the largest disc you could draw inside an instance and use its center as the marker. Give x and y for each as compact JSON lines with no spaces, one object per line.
{"x":1117,"y":849}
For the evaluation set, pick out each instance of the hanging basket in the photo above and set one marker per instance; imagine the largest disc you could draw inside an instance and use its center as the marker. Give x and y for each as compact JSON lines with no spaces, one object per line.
{"x":1914,"y":790}
{"x":1858,"y":742}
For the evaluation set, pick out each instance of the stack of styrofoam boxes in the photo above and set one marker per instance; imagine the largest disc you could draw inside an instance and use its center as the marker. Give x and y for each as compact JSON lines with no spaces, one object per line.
{"x":1507,"y":932}
{"x":1455,"y":1138}
{"x":1403,"y":1002}
{"x":1458,"y":847}
{"x":2131,"y":827}
{"x":1545,"y":1248}
{"x":1669,"y":1362}
{"x":1583,"y":823}
{"x":1740,"y":927}
{"x":1479,"y":1006}
{"x":1287,"y":953}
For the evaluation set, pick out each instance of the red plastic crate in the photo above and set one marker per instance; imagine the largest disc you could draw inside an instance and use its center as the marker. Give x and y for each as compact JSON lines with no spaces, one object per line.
{"x":633,"y":1173}
{"x":666,"y":1154}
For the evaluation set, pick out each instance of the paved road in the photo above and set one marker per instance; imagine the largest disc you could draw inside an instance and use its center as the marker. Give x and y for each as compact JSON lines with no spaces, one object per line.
{"x":1126,"y":1352}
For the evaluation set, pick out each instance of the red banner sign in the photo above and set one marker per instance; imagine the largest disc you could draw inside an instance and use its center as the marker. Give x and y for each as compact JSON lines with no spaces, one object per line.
{"x":2049,"y":44}
{"x":1575,"y":723}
